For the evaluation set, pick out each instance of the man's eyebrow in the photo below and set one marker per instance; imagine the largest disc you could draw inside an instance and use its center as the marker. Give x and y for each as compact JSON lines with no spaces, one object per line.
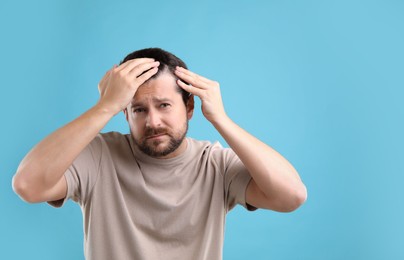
{"x":136,"y":104}
{"x":155,"y":100}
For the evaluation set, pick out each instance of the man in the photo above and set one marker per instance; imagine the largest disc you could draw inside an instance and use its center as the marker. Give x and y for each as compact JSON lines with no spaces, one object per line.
{"x":154,"y":193}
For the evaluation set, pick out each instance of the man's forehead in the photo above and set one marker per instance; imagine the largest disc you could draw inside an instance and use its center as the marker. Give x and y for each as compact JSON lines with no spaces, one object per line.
{"x":156,"y":92}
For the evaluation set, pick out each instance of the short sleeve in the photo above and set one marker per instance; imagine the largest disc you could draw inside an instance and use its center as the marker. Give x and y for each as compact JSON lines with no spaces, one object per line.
{"x":82,"y":174}
{"x":236,"y":179}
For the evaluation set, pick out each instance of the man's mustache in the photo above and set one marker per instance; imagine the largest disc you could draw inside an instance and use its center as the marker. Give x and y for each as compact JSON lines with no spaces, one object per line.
{"x":155,"y":131}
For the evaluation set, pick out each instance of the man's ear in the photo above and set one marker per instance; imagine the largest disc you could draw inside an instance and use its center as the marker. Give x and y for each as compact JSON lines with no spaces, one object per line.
{"x":190,"y":106}
{"x":125,"y":111}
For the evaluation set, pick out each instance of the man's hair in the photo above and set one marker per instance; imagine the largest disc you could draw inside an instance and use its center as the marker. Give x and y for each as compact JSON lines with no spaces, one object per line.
{"x":168,"y":61}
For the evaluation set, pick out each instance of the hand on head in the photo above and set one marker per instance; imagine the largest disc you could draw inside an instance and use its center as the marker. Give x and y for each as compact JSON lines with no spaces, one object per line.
{"x":120,"y":83}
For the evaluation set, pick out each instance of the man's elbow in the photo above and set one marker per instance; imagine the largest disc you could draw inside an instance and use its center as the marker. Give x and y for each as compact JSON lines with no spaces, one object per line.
{"x":22,"y":188}
{"x":299,"y":198}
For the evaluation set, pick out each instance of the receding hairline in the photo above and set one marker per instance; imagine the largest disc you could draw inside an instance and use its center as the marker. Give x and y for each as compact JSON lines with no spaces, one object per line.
{"x":173,"y":83}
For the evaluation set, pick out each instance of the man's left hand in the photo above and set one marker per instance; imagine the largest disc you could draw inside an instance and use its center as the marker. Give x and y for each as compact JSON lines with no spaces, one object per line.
{"x":207,"y":90}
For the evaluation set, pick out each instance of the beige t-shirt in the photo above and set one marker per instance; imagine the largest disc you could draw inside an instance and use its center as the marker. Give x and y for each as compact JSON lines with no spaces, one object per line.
{"x":138,"y":207}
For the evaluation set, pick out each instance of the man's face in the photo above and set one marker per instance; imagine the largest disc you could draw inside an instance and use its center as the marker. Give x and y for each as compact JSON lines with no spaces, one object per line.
{"x":158,"y":117}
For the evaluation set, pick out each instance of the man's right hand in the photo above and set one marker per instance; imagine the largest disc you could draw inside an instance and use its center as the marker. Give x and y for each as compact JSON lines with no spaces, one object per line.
{"x":119,"y":85}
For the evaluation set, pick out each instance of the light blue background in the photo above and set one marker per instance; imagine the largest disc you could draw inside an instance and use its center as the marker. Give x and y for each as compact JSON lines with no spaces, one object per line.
{"x":320,"y":81}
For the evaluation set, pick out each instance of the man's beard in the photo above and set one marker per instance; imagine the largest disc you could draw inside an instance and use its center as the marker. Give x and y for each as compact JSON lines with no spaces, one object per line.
{"x":150,"y":147}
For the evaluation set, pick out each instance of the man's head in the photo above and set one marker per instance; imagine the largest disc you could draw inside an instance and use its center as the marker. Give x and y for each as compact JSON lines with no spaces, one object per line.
{"x":168,"y":63}
{"x":159,"y":112}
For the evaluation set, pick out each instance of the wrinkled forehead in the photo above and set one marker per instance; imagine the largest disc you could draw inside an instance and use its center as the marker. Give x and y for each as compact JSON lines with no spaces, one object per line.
{"x":163,"y":87}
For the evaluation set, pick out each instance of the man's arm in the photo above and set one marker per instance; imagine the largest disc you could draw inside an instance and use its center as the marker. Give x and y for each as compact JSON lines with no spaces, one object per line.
{"x":275,"y":183}
{"x":40,"y":174}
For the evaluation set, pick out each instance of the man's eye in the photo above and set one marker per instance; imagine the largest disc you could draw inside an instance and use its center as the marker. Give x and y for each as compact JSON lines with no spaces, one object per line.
{"x":164,"y":105}
{"x":138,"y":110}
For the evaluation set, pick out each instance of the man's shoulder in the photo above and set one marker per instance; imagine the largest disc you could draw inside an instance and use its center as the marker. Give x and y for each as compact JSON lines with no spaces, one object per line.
{"x":113,"y":136}
{"x":115,"y":139}
{"x":204,"y":146}
{"x":211,"y":153}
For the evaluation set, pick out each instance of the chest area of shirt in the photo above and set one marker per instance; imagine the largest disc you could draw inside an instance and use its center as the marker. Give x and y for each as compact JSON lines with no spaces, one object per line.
{"x":178,"y":203}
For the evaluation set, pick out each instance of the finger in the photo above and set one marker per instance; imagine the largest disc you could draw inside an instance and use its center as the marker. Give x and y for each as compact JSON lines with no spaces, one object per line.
{"x":195,"y":82}
{"x":142,"y":68}
{"x":193,"y":74}
{"x":108,"y":73}
{"x":145,"y":76}
{"x":106,"y":76}
{"x":130,"y":64}
{"x":189,"y":88}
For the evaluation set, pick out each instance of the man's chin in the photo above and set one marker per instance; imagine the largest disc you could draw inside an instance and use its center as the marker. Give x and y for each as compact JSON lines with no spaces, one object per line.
{"x":162,"y":146}
{"x":157,"y":148}
{"x":158,"y":143}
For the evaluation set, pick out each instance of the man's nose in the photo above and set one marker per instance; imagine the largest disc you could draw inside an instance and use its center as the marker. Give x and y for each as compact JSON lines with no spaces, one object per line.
{"x":153,"y":119}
